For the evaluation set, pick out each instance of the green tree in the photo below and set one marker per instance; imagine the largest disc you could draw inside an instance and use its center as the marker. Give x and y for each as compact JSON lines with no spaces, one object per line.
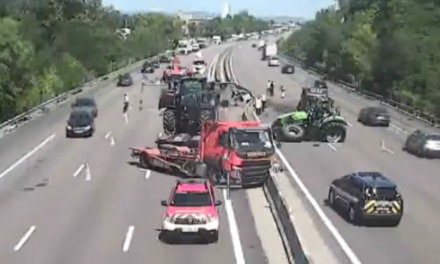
{"x":52,"y":46}
{"x":242,"y":22}
{"x":386,"y":47}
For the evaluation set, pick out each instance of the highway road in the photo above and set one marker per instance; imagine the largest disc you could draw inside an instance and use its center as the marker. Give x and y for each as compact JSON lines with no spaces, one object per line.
{"x":369,"y":149}
{"x":80,"y":201}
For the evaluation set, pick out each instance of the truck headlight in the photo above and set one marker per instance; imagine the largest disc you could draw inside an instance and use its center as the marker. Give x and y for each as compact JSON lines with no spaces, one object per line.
{"x":69,"y":127}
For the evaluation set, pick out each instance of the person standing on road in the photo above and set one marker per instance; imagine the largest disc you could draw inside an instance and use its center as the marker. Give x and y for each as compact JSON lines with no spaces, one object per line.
{"x":126,"y":103}
{"x":283,"y":91}
{"x":263,"y":102}
{"x":258,"y":105}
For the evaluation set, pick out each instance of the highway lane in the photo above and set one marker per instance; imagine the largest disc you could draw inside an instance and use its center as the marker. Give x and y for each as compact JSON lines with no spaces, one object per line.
{"x":415,"y":239}
{"x":50,"y":216}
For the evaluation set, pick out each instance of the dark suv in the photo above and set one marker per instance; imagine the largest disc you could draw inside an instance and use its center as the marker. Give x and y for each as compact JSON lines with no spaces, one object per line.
{"x":366,"y":196}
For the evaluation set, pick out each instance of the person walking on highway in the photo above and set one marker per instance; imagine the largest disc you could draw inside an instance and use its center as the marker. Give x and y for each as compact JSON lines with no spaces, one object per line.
{"x":258,"y":105}
{"x":126,"y":103}
{"x":263,"y":102}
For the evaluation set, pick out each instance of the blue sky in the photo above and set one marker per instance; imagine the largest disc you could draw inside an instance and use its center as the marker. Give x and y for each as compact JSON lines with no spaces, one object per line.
{"x":295,"y":8}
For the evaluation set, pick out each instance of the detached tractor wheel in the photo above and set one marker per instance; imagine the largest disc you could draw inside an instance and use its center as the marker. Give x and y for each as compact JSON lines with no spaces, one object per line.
{"x":293,"y":133}
{"x":334,"y":132}
{"x":169,"y":122}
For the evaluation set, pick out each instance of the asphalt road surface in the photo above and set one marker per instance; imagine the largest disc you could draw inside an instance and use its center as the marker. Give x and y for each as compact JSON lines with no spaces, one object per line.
{"x":366,"y":149}
{"x":80,"y":201}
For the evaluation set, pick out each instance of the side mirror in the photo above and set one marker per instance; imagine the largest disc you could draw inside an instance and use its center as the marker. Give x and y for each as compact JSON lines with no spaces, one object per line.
{"x":164,"y":203}
{"x":218,"y":203}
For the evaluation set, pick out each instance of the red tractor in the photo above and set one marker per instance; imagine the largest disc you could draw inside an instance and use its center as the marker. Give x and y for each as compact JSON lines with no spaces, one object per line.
{"x":240,"y":150}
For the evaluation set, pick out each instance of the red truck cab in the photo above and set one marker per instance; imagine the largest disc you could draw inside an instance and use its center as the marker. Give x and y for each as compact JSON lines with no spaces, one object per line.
{"x":240,"y":150}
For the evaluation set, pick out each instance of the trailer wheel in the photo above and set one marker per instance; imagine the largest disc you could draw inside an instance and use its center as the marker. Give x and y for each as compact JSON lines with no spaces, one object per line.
{"x":144,"y":161}
{"x":169,"y":122}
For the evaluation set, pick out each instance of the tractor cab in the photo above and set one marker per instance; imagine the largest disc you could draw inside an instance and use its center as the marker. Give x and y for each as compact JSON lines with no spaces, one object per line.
{"x":310,"y":95}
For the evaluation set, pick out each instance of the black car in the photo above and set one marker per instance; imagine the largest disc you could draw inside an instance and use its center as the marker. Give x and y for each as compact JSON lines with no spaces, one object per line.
{"x":86,"y":103}
{"x":147,"y":67}
{"x":156,"y":64}
{"x":364,"y":197}
{"x":374,"y":116}
{"x":164,"y":59}
{"x":288,"y":69}
{"x":80,"y":124}
{"x":423,"y":144}
{"x":125,"y":80}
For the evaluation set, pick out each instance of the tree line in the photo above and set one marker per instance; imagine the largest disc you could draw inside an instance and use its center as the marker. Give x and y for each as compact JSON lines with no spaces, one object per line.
{"x":51,"y":46}
{"x":389,"y":47}
{"x":241,"y":22}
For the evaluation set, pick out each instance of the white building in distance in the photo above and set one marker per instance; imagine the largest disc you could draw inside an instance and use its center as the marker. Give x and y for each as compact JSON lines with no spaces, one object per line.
{"x":226,"y":10}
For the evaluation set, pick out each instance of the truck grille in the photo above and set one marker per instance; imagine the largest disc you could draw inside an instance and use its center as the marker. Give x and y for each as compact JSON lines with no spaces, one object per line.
{"x":255,"y":171}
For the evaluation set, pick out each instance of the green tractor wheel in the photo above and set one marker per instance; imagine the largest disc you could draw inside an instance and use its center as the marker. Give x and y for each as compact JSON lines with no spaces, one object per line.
{"x":334,"y":132}
{"x":293,"y":133}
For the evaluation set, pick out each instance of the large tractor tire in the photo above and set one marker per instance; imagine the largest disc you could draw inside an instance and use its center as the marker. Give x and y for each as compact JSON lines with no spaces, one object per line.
{"x":334,"y":132}
{"x":293,"y":133}
{"x":169,"y":122}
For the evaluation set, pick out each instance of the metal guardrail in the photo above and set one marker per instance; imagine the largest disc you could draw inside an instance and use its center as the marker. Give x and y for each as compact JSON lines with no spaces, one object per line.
{"x":13,"y":123}
{"x":414,"y":113}
{"x":279,"y":205}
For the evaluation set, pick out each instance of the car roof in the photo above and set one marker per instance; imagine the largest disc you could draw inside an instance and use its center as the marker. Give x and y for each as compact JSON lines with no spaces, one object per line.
{"x":374,"y":179}
{"x":77,"y":111}
{"x":376,"y":109}
{"x":84,"y":98}
{"x":191,"y":186}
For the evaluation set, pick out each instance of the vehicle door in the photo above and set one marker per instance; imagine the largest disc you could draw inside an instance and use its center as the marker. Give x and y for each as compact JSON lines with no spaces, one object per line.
{"x":213,"y":147}
{"x":225,"y":143}
{"x":341,"y":198}
{"x":414,"y":140}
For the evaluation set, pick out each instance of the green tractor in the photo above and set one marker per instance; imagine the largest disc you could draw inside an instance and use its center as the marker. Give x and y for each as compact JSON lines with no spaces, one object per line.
{"x":297,"y":126}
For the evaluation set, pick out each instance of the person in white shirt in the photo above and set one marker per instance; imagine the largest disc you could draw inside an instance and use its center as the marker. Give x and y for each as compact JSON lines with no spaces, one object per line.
{"x":126,"y":103}
{"x":263,"y":102}
{"x":283,"y":91}
{"x":258,"y":105}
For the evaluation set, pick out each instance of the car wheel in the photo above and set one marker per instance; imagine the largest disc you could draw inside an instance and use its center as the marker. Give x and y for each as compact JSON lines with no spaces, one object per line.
{"x":214,"y":237}
{"x":331,"y":198}
{"x":353,"y":215}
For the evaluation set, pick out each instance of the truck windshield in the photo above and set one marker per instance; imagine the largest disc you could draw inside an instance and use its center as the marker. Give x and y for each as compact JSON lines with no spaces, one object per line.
{"x":191,"y":199}
{"x":245,"y":138}
{"x":183,"y":46}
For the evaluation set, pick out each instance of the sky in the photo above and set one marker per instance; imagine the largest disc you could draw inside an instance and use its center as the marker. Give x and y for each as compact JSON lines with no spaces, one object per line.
{"x":295,"y":8}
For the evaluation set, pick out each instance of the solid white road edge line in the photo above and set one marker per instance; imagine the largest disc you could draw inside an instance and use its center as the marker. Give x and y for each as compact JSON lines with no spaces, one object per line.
{"x":128,"y":238}
{"x":25,"y":238}
{"x":27,"y":155}
{"x":233,"y":229}
{"x":327,"y":222}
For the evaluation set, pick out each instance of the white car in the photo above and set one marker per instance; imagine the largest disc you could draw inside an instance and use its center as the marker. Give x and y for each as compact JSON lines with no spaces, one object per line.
{"x":273,"y":61}
{"x":195,"y":47}
{"x":199,"y":66}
